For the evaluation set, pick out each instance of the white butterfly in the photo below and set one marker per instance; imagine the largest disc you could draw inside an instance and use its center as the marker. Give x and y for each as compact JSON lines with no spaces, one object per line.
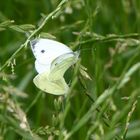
{"x":52,"y":60}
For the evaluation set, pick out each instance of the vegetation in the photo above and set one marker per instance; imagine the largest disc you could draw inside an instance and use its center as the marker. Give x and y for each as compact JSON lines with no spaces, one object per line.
{"x":103,"y":101}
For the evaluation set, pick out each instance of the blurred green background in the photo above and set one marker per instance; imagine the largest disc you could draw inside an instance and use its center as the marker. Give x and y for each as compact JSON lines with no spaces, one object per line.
{"x":104,"y":108}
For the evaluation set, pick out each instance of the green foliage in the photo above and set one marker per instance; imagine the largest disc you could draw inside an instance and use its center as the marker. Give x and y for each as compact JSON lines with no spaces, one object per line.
{"x":103,"y":101}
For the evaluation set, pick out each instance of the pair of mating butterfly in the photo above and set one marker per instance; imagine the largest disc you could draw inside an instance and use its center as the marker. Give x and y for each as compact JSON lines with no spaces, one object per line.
{"x":52,"y":61}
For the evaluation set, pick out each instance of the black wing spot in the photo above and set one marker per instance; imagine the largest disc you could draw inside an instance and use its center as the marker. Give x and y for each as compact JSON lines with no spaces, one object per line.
{"x":42,"y":51}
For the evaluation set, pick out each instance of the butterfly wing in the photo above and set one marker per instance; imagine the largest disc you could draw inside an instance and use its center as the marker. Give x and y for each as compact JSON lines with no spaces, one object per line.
{"x":40,"y":68}
{"x":57,"y":87}
{"x":61,"y":64}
